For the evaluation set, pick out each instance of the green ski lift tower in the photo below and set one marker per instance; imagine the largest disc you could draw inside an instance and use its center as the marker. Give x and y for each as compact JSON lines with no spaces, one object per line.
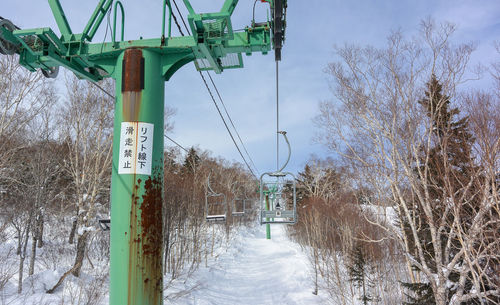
{"x":140,"y":68}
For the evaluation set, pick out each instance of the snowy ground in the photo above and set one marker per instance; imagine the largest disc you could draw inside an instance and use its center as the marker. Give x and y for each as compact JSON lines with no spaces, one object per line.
{"x":255,"y":271}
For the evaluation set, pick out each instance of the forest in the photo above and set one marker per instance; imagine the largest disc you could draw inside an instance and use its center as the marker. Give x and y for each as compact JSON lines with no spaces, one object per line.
{"x":404,"y":210}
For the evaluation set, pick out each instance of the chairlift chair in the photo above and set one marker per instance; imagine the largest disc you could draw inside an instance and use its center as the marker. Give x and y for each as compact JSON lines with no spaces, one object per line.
{"x":278,"y":200}
{"x":215,"y":205}
{"x":239,"y":206}
{"x":239,"y":202}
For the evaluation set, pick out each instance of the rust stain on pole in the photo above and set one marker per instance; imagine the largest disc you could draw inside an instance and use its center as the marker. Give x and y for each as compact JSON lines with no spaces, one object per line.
{"x":152,"y":237}
{"x":133,"y":243}
{"x":132,"y":83}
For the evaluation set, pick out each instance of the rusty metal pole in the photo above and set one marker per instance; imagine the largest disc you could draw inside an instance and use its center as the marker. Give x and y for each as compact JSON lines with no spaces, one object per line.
{"x":137,"y":180}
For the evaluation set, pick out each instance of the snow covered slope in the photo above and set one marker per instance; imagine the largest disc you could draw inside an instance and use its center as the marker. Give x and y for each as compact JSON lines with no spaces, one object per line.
{"x":255,"y":271}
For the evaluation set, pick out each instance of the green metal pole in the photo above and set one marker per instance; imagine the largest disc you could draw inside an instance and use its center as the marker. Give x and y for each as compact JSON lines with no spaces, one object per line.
{"x":268,"y":226}
{"x":137,"y":180}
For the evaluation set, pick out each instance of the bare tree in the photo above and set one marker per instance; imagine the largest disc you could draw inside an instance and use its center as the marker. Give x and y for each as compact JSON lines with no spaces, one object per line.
{"x":385,"y":137}
{"x":43,"y":167}
{"x":87,"y":132}
{"x":23,"y":95}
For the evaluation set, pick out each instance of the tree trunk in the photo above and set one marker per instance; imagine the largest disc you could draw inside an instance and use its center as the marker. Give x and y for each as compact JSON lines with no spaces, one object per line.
{"x":40,"y":226}
{"x":19,"y":241}
{"x":22,"y":256}
{"x":365,"y":299}
{"x":80,"y":253}
{"x":315,"y":292}
{"x":21,"y":270}
{"x":31,"y":269}
{"x":73,"y":229}
{"x":440,"y":294}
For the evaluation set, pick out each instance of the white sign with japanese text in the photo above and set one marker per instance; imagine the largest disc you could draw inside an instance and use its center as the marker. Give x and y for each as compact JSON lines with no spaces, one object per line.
{"x":136,"y":148}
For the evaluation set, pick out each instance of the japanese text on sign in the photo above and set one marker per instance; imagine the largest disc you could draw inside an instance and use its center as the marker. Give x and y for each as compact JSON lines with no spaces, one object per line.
{"x":136,"y":148}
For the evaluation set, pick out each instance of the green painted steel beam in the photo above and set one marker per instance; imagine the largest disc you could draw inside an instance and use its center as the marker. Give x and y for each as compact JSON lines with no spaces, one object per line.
{"x":189,"y":7}
{"x":96,"y":19}
{"x":75,"y":68}
{"x":80,"y":56}
{"x":255,"y":40}
{"x":46,"y":35}
{"x":173,"y":45}
{"x":216,"y":66}
{"x":229,"y":6}
{"x":60,"y":17}
{"x":171,"y":65}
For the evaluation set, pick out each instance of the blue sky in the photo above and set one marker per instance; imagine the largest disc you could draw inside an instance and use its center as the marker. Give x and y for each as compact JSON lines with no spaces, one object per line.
{"x":314,"y":27}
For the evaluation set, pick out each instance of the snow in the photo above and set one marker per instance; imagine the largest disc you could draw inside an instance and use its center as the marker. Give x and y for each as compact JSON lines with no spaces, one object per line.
{"x":251,"y":270}
{"x":82,"y":230}
{"x":254,"y":270}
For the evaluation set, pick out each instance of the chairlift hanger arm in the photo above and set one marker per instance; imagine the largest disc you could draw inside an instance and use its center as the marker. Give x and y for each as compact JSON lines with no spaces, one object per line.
{"x":208,"y":183}
{"x":232,"y":187}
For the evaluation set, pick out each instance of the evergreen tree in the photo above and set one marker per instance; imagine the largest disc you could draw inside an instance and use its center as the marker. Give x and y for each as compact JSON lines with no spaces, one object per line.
{"x":450,"y":151}
{"x":358,"y":269}
{"x":304,"y":178}
{"x":319,"y":178}
{"x":191,"y":162}
{"x":421,"y":294}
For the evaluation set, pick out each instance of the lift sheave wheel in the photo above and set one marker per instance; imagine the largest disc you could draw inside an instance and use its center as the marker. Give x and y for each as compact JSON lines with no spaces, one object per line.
{"x":6,"y":46}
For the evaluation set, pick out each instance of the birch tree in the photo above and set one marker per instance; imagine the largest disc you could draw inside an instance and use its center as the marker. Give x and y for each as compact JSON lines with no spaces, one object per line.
{"x":87,"y":126}
{"x":382,"y":133}
{"x":23,"y":96}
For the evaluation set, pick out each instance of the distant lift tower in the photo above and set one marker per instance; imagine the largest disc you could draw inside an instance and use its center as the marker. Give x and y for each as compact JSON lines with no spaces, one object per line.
{"x":140,"y":68}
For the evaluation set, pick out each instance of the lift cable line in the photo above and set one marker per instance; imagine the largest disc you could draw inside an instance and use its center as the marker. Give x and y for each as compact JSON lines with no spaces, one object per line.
{"x":182,"y":18}
{"x":222,"y":102}
{"x":220,"y":98}
{"x":225,"y":124}
{"x":176,"y":143}
{"x":232,"y":123}
{"x":175,"y":19}
{"x":102,"y":89}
